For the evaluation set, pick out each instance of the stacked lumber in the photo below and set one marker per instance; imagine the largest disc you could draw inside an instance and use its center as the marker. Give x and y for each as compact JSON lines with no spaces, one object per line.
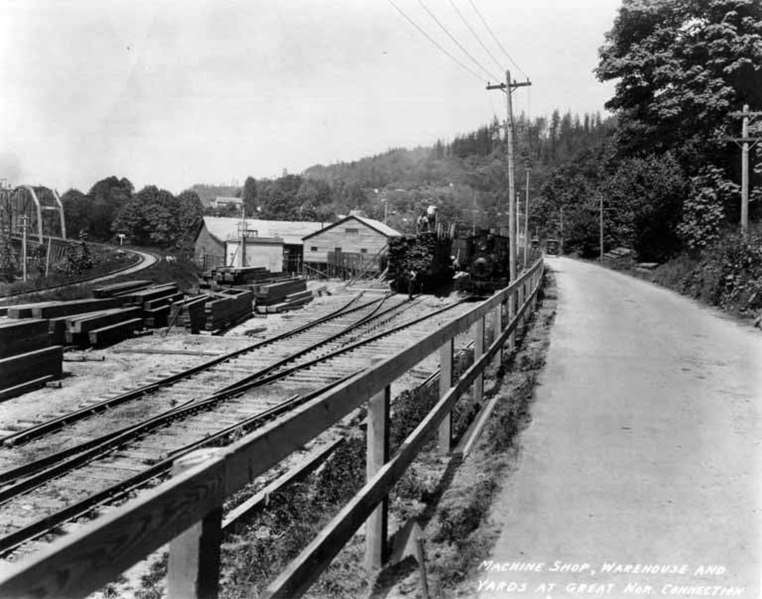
{"x":230,"y":307}
{"x":20,"y":336}
{"x":116,"y":289}
{"x":281,"y":296}
{"x":55,"y":309}
{"x":156,"y":303}
{"x":222,"y":276}
{"x":102,"y":327}
{"x":22,"y":372}
{"x":190,"y":313}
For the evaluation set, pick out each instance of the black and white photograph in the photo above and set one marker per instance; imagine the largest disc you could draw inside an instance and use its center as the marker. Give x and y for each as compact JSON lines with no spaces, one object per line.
{"x":380,"y":299}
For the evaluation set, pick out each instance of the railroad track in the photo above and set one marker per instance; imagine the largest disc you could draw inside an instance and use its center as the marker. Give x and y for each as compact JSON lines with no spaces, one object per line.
{"x":39,"y":497}
{"x":146,"y":260}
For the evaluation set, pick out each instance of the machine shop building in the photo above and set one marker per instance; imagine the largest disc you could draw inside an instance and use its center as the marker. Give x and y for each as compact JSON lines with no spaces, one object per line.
{"x":275,"y":245}
{"x":352,"y":245}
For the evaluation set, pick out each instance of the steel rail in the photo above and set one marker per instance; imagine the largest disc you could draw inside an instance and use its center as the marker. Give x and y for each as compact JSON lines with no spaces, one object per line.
{"x":112,"y":493}
{"x":43,"y":428}
{"x":66,"y":460}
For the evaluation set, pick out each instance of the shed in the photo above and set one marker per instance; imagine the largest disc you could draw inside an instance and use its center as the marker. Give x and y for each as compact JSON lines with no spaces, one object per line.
{"x":215,"y":231}
{"x":351,"y":245}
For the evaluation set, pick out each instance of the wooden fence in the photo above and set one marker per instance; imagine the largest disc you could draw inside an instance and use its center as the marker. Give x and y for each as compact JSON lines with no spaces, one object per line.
{"x":186,"y":511}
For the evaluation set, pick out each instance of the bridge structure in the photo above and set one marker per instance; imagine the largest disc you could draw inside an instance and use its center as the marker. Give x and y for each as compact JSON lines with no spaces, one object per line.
{"x":38,"y":209}
{"x":31,"y":217}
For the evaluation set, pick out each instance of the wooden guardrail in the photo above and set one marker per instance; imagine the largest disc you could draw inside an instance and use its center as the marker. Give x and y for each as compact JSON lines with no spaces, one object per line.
{"x":186,"y":511}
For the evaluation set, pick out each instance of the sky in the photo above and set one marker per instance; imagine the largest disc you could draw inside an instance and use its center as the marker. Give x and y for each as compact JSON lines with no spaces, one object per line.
{"x":177,"y":92}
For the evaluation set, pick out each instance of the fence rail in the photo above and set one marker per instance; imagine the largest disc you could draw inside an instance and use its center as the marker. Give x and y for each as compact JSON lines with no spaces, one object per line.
{"x":186,"y":510}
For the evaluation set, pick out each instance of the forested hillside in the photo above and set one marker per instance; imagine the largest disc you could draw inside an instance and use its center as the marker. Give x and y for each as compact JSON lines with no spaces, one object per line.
{"x":662,"y":167}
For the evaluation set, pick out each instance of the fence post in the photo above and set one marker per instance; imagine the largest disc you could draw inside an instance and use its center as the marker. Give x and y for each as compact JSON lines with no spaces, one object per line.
{"x":498,"y":324}
{"x":445,"y":382}
{"x":478,"y":352}
{"x":377,"y":455}
{"x":194,"y":556}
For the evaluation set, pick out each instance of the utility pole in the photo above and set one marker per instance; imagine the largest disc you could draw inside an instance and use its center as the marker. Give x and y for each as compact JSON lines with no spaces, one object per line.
{"x":744,"y":142}
{"x":601,"y":225}
{"x":561,"y":250}
{"x":526,"y":223}
{"x":24,"y":223}
{"x":508,"y":88}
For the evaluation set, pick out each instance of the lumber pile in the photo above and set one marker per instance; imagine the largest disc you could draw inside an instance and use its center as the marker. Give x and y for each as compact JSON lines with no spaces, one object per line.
{"x":230,"y":307}
{"x":79,"y":327}
{"x":225,"y":276}
{"x":190,"y":313}
{"x":281,"y":296}
{"x":156,"y":303}
{"x":20,"y":336}
{"x":22,"y":372}
{"x":117,"y":289}
{"x":65,"y":308}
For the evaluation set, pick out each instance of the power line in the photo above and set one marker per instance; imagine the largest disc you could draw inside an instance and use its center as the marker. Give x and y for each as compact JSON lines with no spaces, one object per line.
{"x":476,"y":35}
{"x":457,"y":43}
{"x":481,"y":18}
{"x":433,"y":41}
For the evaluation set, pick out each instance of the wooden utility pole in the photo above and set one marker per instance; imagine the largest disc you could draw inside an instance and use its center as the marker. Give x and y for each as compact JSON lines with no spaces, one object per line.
{"x":24,"y":224}
{"x":526,"y":223}
{"x":508,"y":88}
{"x":744,"y":142}
{"x":601,"y":226}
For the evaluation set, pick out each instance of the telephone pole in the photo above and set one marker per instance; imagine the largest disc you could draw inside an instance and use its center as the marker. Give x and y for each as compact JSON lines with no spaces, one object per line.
{"x":744,"y":142}
{"x":508,"y":88}
{"x":526,"y":223}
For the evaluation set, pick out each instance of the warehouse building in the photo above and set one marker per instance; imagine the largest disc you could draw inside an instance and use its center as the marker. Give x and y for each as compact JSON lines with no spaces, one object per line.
{"x":350,"y":246}
{"x":218,"y":243}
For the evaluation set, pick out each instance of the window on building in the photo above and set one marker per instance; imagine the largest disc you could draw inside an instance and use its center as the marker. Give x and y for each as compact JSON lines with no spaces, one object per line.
{"x":363,"y":250}
{"x":352,"y":231}
{"x":313,"y":248}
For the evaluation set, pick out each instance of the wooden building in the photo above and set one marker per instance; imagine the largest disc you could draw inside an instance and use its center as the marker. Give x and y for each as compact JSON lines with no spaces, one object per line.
{"x":216,"y":235}
{"x":349,"y":246}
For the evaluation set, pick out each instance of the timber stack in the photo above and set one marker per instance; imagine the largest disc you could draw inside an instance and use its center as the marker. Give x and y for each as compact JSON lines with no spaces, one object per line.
{"x":281,"y":296}
{"x":27,"y":360}
{"x":230,"y":276}
{"x":230,"y":307}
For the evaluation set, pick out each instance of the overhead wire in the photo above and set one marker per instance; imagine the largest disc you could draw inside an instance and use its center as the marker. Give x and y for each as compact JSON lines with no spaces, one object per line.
{"x":497,"y":41}
{"x":433,"y":41}
{"x":455,"y":41}
{"x":476,"y":35}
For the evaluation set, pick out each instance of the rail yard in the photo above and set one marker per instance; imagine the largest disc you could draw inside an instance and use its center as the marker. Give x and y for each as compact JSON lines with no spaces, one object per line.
{"x":125,"y":414}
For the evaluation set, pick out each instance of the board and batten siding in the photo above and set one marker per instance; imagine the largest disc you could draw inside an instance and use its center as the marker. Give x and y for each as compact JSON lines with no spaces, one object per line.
{"x":351,"y":236}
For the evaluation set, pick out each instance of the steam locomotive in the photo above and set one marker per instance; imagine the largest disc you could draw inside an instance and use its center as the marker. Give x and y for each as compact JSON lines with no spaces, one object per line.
{"x":429,"y":262}
{"x":484,"y":257}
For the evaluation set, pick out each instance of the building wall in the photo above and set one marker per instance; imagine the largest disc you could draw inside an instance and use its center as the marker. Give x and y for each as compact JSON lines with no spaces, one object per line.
{"x":208,"y":251}
{"x":360,"y":239}
{"x":259,"y":252}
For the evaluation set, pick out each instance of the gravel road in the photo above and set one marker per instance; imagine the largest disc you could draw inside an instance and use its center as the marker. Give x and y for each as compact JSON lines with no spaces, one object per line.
{"x":640,"y":474}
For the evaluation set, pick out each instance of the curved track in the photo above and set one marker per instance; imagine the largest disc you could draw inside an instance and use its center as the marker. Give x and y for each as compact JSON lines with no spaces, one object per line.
{"x":147,"y":260}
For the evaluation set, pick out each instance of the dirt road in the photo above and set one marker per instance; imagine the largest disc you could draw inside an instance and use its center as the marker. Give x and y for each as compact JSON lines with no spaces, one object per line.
{"x":641,"y":473}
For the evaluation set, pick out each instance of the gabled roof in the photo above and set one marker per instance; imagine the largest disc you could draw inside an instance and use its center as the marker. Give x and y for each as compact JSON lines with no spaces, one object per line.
{"x":382,"y":228}
{"x":226,"y":228}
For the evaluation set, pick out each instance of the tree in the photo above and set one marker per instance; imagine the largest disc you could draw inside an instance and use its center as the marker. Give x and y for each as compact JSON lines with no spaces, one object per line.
{"x":77,"y":212}
{"x":107,"y":197}
{"x":643,"y":204}
{"x":190,"y":214}
{"x":682,"y":66}
{"x":151,"y":217}
{"x":249,"y":196}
